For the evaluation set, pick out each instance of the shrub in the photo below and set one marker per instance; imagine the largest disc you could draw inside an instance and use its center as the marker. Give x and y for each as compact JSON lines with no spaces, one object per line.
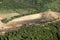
{"x":4,"y":20}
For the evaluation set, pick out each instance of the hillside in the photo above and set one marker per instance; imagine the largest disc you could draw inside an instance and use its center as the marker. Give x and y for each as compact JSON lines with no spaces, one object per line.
{"x":29,"y":19}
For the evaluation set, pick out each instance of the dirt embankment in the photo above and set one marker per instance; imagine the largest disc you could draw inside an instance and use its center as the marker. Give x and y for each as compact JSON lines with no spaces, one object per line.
{"x":29,"y":19}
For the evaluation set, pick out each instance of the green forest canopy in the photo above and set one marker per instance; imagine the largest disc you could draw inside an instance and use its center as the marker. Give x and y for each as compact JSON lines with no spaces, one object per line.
{"x":38,"y":5}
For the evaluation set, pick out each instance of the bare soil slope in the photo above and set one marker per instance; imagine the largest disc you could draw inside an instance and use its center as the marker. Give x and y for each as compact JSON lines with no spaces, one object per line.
{"x":35,"y":18}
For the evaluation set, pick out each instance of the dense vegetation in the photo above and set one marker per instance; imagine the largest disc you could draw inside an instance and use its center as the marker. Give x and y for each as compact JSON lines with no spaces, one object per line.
{"x":32,"y":32}
{"x":35,"y":32}
{"x":30,"y":6}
